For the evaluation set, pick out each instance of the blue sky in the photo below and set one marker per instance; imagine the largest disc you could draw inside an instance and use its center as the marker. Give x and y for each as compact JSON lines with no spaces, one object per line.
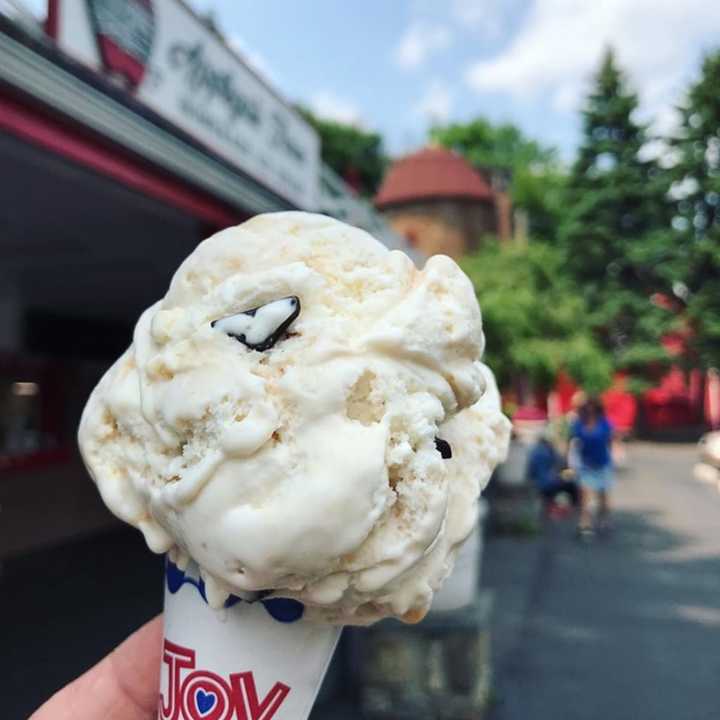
{"x":391,"y":65}
{"x":397,"y":65}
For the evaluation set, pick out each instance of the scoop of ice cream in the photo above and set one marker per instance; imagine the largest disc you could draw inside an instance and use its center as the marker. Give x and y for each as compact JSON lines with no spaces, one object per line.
{"x":300,"y":415}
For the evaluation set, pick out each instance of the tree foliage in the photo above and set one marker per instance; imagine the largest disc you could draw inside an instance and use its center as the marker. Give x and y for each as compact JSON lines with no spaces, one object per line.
{"x":625,"y":258}
{"x":615,"y":232}
{"x":356,"y":155}
{"x":534,"y":319}
{"x":696,"y":262}
{"x":536,"y":177}
{"x":488,"y":145}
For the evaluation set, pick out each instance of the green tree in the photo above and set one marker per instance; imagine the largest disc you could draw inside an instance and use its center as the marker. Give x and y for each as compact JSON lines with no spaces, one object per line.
{"x":536,"y":177}
{"x":356,"y":155}
{"x":696,"y":265}
{"x":534,"y":318}
{"x":615,"y":233}
{"x":488,"y":145}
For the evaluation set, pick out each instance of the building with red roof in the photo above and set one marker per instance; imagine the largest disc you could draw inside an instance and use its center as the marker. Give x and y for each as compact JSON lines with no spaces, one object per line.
{"x":442,"y":204}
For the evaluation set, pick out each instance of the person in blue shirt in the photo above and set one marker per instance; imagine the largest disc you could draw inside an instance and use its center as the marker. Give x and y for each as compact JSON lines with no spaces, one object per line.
{"x":591,"y":435}
{"x":543,"y":470}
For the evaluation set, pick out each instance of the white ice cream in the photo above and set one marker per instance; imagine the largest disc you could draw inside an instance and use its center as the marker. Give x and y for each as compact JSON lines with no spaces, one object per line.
{"x":307,"y":466}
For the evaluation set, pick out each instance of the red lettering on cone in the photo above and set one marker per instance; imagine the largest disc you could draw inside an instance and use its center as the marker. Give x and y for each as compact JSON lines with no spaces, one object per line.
{"x":204,"y":695}
{"x":177,"y":658}
{"x":246,"y":699}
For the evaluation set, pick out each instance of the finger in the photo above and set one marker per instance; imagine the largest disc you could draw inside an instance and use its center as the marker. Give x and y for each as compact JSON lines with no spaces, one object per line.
{"x":122,"y":686}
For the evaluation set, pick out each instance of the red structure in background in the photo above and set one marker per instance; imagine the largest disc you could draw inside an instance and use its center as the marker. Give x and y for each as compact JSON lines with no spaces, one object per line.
{"x":676,"y":402}
{"x":679,"y":400}
{"x":621,"y":406}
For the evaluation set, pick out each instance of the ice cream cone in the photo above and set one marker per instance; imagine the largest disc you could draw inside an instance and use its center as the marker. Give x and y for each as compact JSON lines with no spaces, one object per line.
{"x":247,"y":661}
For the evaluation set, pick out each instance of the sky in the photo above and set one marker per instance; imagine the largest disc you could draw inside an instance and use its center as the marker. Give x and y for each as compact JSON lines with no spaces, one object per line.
{"x":398,"y":66}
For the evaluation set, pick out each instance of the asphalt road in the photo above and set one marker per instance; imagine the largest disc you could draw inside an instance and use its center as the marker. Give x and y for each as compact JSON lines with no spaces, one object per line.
{"x":627,"y":628}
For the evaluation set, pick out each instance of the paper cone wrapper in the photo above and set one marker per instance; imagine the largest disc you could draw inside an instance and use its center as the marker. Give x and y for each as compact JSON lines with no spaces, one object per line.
{"x":247,"y":661}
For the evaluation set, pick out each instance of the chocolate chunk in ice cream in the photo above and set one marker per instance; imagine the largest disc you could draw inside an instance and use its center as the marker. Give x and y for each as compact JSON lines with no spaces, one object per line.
{"x":261,"y":327}
{"x":443,"y":447}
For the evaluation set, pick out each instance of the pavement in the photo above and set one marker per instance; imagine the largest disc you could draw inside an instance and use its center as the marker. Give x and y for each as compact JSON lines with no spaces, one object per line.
{"x":626,"y":628}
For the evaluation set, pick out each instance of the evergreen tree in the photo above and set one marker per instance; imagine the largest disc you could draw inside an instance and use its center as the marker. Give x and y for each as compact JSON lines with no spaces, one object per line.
{"x":697,"y":257}
{"x":615,"y":233}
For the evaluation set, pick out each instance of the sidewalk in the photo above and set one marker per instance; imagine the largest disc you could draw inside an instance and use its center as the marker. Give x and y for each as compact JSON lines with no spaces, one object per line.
{"x":627,"y":628}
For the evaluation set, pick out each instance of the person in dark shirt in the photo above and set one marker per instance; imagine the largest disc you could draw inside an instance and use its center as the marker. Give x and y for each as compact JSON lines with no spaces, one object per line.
{"x":543,"y":470}
{"x":591,"y":435}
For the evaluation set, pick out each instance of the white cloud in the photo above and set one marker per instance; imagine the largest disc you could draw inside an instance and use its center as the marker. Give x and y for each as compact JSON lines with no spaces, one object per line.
{"x":436,"y":103}
{"x":419,"y":42}
{"x":561,"y":43}
{"x":330,"y":106}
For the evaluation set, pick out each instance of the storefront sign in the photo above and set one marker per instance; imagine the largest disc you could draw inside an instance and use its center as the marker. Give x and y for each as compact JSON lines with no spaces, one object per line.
{"x":164,"y":54}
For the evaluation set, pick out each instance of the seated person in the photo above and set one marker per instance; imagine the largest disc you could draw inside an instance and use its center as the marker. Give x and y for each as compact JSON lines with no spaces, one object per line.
{"x":543,"y":469}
